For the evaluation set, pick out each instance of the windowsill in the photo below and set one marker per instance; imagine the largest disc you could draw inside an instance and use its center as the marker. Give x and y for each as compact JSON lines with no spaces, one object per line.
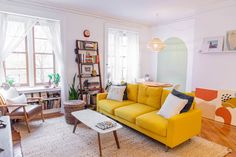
{"x":37,"y":89}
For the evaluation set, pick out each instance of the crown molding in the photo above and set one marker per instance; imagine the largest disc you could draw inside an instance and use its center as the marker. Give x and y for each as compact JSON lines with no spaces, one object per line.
{"x":51,"y":6}
{"x":48,"y":5}
{"x":200,"y":11}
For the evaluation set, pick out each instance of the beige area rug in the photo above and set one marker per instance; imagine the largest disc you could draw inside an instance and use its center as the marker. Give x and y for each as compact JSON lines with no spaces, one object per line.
{"x":54,"y":138}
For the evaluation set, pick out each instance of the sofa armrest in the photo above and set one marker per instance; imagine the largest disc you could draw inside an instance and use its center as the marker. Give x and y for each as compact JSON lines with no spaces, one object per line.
{"x":101,"y":96}
{"x":183,"y":126}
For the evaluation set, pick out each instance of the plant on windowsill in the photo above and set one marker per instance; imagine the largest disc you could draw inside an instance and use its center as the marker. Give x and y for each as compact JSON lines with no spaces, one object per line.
{"x":10,"y":81}
{"x":54,"y":78}
{"x":73,"y":92}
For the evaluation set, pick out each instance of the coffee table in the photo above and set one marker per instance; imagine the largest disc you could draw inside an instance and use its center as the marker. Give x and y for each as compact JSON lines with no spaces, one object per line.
{"x":91,"y":118}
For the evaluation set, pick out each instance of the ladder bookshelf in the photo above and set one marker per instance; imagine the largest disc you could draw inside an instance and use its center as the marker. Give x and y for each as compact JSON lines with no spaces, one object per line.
{"x":89,"y":72}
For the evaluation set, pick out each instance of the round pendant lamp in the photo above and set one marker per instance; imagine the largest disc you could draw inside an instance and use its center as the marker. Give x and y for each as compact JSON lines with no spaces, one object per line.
{"x":156,"y":45}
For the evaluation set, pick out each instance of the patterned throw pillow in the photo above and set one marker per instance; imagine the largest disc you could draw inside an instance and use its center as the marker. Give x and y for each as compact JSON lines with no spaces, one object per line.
{"x":172,"y":106}
{"x":116,"y":93}
{"x":186,"y":97}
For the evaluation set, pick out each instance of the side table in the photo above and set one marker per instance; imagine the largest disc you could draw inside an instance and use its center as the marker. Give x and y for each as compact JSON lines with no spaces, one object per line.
{"x":71,"y":106}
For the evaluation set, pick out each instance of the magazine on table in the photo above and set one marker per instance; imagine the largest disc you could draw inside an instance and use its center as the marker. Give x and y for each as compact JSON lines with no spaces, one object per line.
{"x":106,"y":125}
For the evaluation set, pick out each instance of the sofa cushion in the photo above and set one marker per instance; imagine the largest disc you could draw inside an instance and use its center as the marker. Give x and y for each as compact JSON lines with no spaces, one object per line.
{"x":172,"y":106}
{"x":184,"y":96}
{"x":116,"y":93}
{"x":150,"y":96}
{"x":164,"y":95}
{"x":110,"y":105}
{"x":166,"y":92}
{"x":132,"y":111}
{"x":153,"y":122}
{"x":31,"y":110}
{"x":132,"y":91}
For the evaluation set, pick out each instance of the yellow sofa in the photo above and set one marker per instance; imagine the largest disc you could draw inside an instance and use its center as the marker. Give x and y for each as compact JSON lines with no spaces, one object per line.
{"x":140,"y":113}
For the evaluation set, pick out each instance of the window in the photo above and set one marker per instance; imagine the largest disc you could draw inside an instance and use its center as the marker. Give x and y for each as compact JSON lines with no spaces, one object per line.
{"x":16,"y":63}
{"x":122,"y":56}
{"x":43,"y":54}
{"x":33,"y":60}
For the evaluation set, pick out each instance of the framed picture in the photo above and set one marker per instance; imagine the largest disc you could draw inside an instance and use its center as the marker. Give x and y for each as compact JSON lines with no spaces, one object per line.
{"x":87,"y":69}
{"x":231,"y":40}
{"x":213,"y":44}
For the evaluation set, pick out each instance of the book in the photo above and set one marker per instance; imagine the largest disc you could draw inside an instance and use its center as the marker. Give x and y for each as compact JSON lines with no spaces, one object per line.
{"x":106,"y":125}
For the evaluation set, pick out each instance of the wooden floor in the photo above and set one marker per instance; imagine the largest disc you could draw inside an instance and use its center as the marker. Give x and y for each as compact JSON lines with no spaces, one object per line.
{"x":219,"y":133}
{"x":211,"y":130}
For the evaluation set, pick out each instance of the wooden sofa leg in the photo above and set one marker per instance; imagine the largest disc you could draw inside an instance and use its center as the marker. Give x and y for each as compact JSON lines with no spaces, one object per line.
{"x":26,"y":119}
{"x":42,"y":116}
{"x":27,"y":125}
{"x":166,"y":148}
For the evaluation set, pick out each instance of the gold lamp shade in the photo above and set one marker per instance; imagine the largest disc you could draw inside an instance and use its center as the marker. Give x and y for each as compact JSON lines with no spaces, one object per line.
{"x":156,"y":45}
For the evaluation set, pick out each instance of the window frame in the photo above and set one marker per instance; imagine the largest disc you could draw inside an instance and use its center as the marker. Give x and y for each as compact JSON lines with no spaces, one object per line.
{"x":27,"y":64}
{"x":40,"y":53}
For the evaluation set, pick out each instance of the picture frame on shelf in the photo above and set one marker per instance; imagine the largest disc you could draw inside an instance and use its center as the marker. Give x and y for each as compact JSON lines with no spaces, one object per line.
{"x":87,"y":69}
{"x":230,"y":41}
{"x":212,"y":44}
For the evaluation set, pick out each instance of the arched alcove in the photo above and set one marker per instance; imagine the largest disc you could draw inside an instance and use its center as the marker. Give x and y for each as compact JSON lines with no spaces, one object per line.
{"x":172,"y":63}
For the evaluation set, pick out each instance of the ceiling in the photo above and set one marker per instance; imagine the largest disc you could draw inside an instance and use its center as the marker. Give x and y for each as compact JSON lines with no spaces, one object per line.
{"x":150,"y":12}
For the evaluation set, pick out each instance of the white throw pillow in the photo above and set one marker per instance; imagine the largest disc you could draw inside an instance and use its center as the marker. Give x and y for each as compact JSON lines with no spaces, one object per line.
{"x":17,"y":100}
{"x":172,"y":106}
{"x":116,"y":93}
{"x":10,"y":93}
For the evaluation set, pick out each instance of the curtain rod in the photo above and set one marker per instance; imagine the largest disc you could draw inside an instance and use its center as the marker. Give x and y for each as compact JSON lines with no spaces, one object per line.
{"x":23,"y":15}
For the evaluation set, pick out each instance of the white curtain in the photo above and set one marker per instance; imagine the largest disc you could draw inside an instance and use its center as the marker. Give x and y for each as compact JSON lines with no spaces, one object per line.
{"x":122,"y":56}
{"x":3,"y":31}
{"x":133,"y":57}
{"x":115,"y":55}
{"x":13,"y":30}
{"x":55,"y":40}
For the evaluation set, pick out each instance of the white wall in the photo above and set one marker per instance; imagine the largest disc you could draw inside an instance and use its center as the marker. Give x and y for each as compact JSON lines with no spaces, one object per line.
{"x":215,"y":71}
{"x":73,"y":24}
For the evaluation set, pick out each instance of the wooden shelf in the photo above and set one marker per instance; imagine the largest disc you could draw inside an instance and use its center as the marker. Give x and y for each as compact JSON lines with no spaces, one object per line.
{"x":88,"y":63}
{"x":88,"y":76}
{"x":84,"y":49}
{"x":92,"y":89}
{"x":55,"y":98}
{"x":217,"y":52}
{"x":84,"y":54}
{"x":51,"y":97}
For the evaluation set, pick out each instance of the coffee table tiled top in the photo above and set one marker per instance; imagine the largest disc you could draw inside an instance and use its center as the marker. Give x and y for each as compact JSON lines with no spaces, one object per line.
{"x":91,"y":118}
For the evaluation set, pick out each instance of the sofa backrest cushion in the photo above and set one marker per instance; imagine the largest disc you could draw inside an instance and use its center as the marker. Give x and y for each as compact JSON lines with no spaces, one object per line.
{"x":165,"y":93}
{"x":132,"y":91}
{"x":150,"y":96}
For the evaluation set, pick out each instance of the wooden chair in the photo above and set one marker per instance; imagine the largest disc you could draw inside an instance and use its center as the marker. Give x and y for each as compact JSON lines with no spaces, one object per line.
{"x":23,"y":112}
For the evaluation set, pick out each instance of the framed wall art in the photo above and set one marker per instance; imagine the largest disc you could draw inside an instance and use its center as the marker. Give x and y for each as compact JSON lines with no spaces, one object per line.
{"x":213,"y":44}
{"x":231,"y":40}
{"x":87,"y":69}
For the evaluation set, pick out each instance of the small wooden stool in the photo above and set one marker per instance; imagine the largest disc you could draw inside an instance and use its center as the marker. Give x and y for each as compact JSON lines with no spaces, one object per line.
{"x":71,"y":106}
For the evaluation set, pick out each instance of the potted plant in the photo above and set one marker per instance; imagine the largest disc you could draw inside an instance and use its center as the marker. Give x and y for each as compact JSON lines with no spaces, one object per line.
{"x":10,"y":81}
{"x":74,"y":91}
{"x":54,"y":78}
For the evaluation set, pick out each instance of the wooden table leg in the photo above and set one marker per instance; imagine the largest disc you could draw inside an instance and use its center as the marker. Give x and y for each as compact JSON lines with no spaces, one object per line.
{"x":76,"y":123}
{"x":99,"y":144}
{"x":116,"y":138}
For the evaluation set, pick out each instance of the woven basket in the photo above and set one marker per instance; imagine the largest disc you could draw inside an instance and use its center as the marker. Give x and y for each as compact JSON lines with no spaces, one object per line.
{"x":71,"y":106}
